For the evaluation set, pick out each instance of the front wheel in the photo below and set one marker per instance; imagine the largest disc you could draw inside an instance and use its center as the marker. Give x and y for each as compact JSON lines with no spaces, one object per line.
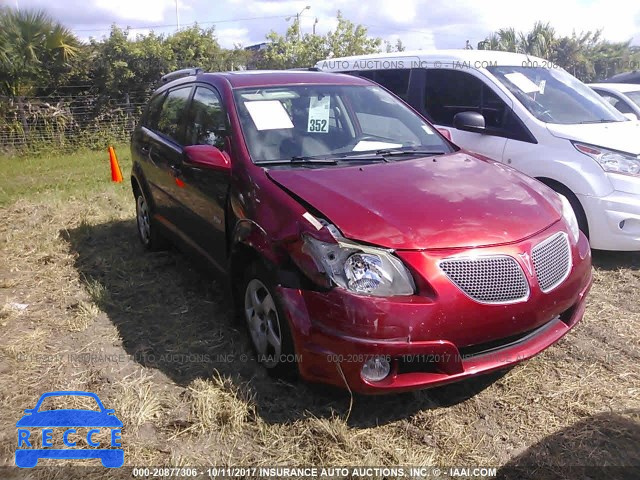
{"x":150,"y":238}
{"x":267,"y":325}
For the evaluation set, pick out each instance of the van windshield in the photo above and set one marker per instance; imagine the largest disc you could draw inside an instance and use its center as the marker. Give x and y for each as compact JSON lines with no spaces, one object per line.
{"x":554,"y":96}
{"x":343,"y":122}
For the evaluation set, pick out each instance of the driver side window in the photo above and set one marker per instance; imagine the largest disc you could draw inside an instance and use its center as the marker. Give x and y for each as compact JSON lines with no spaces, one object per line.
{"x":448,"y":92}
{"x":207,"y":120}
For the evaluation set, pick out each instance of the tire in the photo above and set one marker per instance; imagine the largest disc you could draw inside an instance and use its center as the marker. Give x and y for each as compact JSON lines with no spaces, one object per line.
{"x":266,"y":323}
{"x":148,"y":233}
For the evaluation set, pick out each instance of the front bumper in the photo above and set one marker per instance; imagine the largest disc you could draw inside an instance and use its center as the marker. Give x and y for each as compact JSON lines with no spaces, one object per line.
{"x":614,"y":221}
{"x":435,"y":337}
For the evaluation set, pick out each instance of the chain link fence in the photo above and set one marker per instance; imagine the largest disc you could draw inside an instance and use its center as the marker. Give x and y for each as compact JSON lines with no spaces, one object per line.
{"x":68,"y":120}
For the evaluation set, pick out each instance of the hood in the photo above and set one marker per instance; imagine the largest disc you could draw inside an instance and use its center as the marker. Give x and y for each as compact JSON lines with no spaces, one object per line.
{"x":621,"y":136}
{"x":448,"y":201}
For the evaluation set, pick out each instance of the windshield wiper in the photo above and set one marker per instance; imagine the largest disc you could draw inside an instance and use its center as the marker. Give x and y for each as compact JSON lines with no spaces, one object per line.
{"x":601,"y":120}
{"x":397,"y":152}
{"x":298,"y":159}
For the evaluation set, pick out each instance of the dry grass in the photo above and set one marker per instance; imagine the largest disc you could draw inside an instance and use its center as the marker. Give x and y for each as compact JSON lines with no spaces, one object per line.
{"x":153,"y":337}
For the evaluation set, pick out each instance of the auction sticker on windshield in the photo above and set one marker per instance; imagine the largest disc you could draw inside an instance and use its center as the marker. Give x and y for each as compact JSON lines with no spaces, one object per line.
{"x":319,"y":114}
{"x":268,"y":115}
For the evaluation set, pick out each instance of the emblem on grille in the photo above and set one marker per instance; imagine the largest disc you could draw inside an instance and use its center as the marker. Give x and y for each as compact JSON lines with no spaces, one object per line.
{"x":526,"y":259}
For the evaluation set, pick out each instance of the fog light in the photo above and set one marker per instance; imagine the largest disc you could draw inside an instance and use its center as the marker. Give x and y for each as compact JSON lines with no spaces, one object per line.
{"x":375,"y":369}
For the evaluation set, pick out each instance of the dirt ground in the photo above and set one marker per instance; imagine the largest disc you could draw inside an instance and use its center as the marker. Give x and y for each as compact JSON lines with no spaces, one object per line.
{"x":84,"y":308}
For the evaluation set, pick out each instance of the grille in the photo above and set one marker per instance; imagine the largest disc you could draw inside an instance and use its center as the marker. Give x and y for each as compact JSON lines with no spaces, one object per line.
{"x":490,"y":279}
{"x":552,"y":261}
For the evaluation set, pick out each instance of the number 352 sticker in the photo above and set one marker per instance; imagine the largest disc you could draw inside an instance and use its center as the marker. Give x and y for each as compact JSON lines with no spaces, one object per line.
{"x":319,"y":114}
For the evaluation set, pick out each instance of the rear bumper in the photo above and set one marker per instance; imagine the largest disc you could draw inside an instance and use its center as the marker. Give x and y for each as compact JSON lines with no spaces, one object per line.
{"x":429,"y":340}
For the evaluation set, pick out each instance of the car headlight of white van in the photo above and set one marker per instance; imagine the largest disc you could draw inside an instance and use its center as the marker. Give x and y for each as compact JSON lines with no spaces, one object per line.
{"x":610,"y":160}
{"x":570,"y":217}
{"x":359,"y":268}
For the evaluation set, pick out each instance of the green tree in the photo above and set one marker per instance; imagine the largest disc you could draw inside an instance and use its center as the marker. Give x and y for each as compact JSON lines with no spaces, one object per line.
{"x":540,"y":41}
{"x":292,"y":50}
{"x":350,"y":39}
{"x":586,"y":55}
{"x":34,"y":49}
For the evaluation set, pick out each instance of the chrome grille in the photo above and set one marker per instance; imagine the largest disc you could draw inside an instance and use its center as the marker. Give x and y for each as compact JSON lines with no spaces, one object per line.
{"x":552,"y":261}
{"x":490,"y":279}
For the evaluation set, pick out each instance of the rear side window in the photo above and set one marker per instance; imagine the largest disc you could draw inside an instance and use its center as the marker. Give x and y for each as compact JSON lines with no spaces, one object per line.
{"x":207,"y":120}
{"x":150,"y":120}
{"x":172,"y":114}
{"x":396,"y":81}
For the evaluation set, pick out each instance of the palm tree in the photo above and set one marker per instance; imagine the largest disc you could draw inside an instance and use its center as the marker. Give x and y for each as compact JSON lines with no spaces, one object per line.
{"x":505,"y":39}
{"x":540,"y":41}
{"x":31,"y":43}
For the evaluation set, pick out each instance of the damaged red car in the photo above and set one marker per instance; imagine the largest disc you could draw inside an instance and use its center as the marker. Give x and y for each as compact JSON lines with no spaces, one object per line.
{"x":364,"y":249}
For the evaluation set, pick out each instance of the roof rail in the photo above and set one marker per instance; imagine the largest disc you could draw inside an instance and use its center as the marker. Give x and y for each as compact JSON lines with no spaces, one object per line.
{"x":185,"y":72}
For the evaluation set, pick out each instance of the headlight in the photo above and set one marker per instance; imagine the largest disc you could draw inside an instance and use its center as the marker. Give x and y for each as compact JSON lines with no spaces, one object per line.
{"x":611,"y":161}
{"x":359,"y":268}
{"x":570,"y":217}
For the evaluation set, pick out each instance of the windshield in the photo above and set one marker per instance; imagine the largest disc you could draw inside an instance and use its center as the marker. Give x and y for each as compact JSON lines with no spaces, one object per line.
{"x":634,"y":96}
{"x":554,"y":96}
{"x":330,"y":121}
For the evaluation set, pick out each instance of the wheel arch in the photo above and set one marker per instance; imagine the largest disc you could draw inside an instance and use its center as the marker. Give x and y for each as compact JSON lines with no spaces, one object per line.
{"x":561,"y":188}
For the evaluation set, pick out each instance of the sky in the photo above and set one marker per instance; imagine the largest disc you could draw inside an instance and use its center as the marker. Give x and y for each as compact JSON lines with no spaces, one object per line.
{"x":420,"y":24}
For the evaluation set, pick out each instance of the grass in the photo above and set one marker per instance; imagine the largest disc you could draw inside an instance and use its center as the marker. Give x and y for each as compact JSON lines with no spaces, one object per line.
{"x":60,"y":174}
{"x":156,"y":339}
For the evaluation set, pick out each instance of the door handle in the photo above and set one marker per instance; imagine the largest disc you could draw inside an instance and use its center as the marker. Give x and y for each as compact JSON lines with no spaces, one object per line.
{"x":145,"y":149}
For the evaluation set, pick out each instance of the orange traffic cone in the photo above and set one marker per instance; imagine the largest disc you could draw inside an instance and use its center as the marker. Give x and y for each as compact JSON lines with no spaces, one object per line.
{"x":116,"y":173}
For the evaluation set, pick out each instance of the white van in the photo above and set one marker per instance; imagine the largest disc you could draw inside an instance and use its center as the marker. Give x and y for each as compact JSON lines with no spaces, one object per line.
{"x":530,"y":114}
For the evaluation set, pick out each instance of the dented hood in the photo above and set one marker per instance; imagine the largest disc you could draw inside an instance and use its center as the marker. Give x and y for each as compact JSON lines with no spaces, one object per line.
{"x":455,"y":200}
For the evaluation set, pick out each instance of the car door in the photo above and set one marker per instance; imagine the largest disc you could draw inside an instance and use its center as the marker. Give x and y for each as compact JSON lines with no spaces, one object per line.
{"x":165,"y":153}
{"x":205,"y":190}
{"x":451,"y":91}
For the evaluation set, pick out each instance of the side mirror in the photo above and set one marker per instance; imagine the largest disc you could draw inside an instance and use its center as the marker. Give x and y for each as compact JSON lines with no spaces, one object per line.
{"x":631,"y":116}
{"x":207,"y":156}
{"x":469,"y":121}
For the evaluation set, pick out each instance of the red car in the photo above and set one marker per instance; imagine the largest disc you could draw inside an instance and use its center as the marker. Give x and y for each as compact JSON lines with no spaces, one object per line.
{"x":364,"y":249}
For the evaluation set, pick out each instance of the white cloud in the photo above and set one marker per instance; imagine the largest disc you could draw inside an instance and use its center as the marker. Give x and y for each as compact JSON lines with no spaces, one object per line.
{"x":618,"y":24}
{"x":149,"y":10}
{"x":229,"y":37}
{"x":419,"y":23}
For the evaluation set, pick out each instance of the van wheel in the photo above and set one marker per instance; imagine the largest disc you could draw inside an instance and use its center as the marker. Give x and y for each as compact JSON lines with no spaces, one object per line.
{"x":148,"y":233}
{"x":267,"y":324}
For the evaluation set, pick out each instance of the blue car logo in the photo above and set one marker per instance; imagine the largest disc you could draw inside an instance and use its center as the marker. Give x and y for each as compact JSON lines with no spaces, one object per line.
{"x":35,"y":434}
